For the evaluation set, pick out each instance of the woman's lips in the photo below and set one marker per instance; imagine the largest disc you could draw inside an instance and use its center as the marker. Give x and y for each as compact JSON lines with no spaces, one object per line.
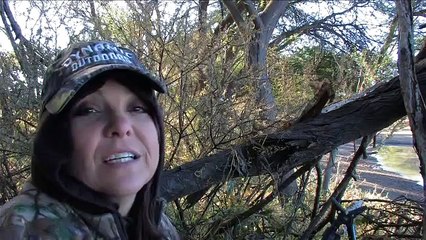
{"x":121,"y":157}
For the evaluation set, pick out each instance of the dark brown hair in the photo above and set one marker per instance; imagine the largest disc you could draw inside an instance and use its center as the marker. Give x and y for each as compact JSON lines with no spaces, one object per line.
{"x":53,"y":147}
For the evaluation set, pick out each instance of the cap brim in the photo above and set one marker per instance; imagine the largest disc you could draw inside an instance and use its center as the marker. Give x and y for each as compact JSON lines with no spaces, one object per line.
{"x":74,"y":83}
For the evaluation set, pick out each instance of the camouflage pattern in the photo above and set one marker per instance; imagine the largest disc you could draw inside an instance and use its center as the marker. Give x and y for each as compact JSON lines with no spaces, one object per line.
{"x":34,"y":215}
{"x":76,"y":65}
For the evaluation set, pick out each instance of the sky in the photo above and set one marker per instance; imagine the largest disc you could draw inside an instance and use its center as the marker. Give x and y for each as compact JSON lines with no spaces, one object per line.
{"x":29,"y":20}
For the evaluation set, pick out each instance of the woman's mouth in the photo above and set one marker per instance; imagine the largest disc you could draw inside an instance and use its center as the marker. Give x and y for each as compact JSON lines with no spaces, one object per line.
{"x":121,"y":157}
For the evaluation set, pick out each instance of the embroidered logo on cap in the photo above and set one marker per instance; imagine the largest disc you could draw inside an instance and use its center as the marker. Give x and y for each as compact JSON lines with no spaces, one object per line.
{"x":95,"y":54}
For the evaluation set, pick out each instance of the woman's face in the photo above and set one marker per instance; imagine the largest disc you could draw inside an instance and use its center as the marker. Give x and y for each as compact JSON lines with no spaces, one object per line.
{"x":116,"y":149}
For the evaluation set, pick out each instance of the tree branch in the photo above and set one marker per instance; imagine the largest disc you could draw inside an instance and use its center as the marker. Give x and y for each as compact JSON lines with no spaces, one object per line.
{"x":251,"y":9}
{"x":223,"y":226}
{"x":318,"y":221}
{"x":273,"y":11}
{"x":15,"y":26}
{"x":300,"y":144}
{"x":270,"y":16}
{"x":202,"y":15}
{"x":308,"y":26}
{"x":236,"y":15}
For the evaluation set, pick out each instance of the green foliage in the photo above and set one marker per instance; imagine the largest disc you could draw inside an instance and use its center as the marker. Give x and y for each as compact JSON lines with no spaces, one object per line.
{"x":296,"y":76}
{"x":17,"y":123}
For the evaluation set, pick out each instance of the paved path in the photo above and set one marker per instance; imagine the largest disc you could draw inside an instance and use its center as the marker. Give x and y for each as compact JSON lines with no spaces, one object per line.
{"x":374,"y":178}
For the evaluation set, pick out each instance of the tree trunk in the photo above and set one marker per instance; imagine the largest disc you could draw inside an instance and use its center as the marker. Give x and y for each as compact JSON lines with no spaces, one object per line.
{"x":328,"y":171}
{"x":413,"y":99}
{"x":257,"y":53}
{"x":259,"y":38}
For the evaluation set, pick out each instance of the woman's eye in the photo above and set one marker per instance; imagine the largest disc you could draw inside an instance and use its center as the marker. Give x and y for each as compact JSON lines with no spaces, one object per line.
{"x":139,"y":109}
{"x":83,"y":111}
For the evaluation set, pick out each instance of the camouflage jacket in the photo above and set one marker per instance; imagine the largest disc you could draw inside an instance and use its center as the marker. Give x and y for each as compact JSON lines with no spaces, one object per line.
{"x":34,"y":215}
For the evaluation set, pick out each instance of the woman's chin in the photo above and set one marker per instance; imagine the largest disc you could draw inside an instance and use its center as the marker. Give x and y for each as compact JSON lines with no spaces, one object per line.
{"x":124,"y":189}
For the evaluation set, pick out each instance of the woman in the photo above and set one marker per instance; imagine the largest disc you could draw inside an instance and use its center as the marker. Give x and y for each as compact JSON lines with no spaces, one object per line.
{"x":98,"y":152}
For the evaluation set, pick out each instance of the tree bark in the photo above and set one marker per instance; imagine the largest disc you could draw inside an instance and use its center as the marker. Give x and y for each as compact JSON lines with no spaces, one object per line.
{"x":264,"y":23}
{"x":202,"y":15}
{"x":328,"y":171}
{"x":299,"y":145}
{"x":413,"y":99}
{"x":259,"y":37}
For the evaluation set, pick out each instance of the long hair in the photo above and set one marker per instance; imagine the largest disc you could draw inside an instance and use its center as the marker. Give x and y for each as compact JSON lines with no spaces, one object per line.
{"x":52,"y":153}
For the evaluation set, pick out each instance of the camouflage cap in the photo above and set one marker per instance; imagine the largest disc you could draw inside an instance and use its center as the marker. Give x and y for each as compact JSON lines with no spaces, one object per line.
{"x":81,"y":62}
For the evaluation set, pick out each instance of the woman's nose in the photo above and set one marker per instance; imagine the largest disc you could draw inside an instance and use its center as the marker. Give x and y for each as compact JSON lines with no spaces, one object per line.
{"x":118,"y":126}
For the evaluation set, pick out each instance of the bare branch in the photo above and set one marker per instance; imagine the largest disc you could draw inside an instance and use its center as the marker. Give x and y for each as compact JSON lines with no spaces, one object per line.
{"x":318,"y":221}
{"x":223,"y":226}
{"x":314,"y":25}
